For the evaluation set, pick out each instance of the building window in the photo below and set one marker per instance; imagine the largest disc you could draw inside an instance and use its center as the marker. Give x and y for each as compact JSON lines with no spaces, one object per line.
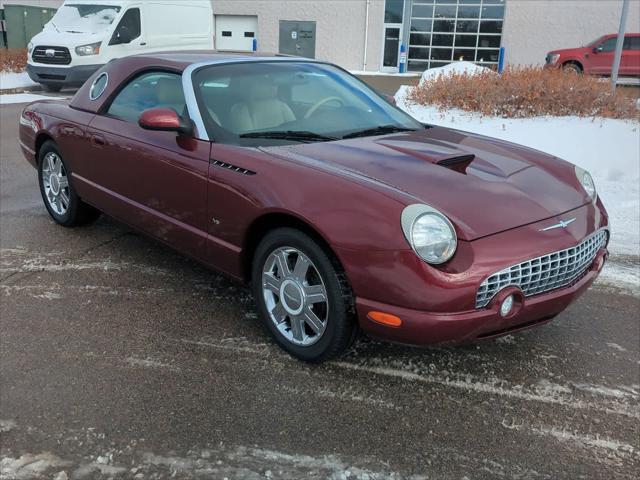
{"x":443,"y":31}
{"x":393,"y":11}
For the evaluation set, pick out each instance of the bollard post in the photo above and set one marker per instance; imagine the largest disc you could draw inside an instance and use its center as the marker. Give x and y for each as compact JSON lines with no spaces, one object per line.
{"x":501,"y":60}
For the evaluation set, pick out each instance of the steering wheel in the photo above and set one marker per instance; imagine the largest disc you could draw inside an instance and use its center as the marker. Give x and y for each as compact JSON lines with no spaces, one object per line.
{"x":321,"y":102}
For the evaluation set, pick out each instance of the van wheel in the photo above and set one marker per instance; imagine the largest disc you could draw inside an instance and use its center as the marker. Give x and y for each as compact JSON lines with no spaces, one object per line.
{"x":58,"y":194}
{"x":48,"y":87}
{"x":302,"y":295}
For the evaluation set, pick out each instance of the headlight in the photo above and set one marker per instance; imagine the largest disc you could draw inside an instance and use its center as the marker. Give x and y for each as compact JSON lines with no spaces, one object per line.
{"x":586,"y":180}
{"x":552,"y":58}
{"x":430,"y":233}
{"x":91,"y":49}
{"x":30,"y":48}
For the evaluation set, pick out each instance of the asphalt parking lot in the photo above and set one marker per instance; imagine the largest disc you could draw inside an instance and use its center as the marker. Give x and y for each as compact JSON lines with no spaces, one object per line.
{"x":121,"y":359}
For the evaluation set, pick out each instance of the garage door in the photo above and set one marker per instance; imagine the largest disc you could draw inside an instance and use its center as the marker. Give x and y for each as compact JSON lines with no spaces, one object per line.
{"x":235,"y":32}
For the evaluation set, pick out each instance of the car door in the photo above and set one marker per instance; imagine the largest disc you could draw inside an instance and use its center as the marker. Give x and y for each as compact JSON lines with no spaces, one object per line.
{"x":630,"y":62}
{"x":153,"y":180}
{"x":129,"y":36}
{"x":602,"y":57}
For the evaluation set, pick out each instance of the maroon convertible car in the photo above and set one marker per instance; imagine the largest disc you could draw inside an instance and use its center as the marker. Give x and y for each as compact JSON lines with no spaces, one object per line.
{"x":339,"y":209}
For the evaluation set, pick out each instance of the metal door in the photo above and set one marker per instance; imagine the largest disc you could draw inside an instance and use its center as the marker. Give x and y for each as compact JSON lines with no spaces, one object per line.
{"x":298,"y":38}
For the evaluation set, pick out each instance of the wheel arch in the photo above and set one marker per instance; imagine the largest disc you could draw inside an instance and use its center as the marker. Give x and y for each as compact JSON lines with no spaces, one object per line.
{"x":272,"y":221}
{"x":41,"y":139}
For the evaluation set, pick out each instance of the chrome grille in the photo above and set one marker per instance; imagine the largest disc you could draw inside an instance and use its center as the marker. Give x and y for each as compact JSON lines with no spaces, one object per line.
{"x":545,"y":273}
{"x":56,"y":56}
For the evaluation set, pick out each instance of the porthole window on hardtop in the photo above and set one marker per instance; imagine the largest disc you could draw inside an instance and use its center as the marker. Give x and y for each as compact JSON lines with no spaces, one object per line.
{"x":99,"y":86}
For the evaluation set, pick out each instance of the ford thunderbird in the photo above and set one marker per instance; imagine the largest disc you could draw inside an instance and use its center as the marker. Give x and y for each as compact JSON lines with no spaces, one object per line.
{"x":341,"y":211}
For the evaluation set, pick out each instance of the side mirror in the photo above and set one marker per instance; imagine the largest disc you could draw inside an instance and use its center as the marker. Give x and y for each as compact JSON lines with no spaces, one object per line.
{"x":164,"y":120}
{"x":597,"y":49}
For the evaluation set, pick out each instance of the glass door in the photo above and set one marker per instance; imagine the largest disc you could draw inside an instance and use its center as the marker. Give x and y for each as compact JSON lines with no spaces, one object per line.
{"x":391,"y":47}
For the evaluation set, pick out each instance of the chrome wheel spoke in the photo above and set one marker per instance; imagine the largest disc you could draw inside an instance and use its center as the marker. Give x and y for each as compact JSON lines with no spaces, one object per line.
{"x":271,"y":283}
{"x":301,"y":268}
{"x":281,"y":263}
{"x":64,"y":183}
{"x":297,"y":328}
{"x":313,"y":321}
{"x":315,"y":294}
{"x":279,"y":313}
{"x":64,"y":198}
{"x":50,"y":163}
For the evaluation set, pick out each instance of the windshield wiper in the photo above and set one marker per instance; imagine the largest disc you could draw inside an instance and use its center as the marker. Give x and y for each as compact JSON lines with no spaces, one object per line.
{"x":298,"y":135}
{"x":381,"y":130}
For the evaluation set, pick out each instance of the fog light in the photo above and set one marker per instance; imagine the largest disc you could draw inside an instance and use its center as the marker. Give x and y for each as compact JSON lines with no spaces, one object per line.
{"x":507,"y":306}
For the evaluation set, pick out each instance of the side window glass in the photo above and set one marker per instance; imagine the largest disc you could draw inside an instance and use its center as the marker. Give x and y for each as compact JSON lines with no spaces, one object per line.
{"x":634,"y":43}
{"x":150,"y":90}
{"x":128,"y":29}
{"x":609,"y":45}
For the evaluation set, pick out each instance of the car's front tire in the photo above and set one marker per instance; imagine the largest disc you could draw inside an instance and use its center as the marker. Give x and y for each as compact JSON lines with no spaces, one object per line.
{"x":51,"y":88}
{"x":60,"y":198}
{"x":303,"y":296}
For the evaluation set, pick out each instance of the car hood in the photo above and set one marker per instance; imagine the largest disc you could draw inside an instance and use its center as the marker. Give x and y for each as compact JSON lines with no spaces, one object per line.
{"x":483,"y":185}
{"x":51,"y":37}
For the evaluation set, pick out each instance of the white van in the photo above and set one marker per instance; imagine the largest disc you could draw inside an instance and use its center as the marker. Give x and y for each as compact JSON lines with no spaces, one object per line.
{"x":85,"y":34}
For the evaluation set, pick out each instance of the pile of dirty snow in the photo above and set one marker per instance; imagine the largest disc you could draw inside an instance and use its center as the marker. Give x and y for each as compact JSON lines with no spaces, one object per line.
{"x":608,"y":148}
{"x":453,"y":68}
{"x":10,"y":80}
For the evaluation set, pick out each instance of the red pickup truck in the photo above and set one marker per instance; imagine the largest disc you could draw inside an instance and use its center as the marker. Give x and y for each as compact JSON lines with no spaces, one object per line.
{"x":597,"y":57}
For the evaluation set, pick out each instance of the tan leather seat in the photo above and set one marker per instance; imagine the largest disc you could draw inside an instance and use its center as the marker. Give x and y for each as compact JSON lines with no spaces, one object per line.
{"x":261,"y":111}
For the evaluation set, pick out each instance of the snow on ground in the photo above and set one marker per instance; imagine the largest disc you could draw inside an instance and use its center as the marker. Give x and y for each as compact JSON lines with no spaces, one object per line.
{"x":609,"y":149}
{"x":15,"y":80}
{"x":24,"y":98}
{"x":455,"y":67}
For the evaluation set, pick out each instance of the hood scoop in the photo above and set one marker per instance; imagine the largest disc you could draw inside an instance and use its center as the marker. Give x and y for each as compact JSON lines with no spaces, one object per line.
{"x":458,"y":163}
{"x":450,"y":158}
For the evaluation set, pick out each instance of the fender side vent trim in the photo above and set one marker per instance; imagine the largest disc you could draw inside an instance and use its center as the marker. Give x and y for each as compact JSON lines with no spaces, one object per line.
{"x":233,"y":168}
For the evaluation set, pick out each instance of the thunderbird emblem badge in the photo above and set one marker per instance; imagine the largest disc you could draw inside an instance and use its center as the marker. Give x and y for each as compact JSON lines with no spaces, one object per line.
{"x":560,"y":224}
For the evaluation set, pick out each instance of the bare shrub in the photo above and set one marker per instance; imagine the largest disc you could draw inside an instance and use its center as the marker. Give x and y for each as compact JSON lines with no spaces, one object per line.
{"x":525,"y":92}
{"x":13,"y":59}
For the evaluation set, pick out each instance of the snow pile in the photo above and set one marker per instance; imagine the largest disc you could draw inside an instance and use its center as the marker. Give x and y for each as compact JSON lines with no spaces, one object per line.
{"x":608,"y":148}
{"x":459,"y":68}
{"x":24,"y":98}
{"x":15,"y":80}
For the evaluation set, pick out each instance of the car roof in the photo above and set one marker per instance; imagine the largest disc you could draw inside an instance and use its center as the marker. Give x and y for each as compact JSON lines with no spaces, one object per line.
{"x":123,"y":69}
{"x":182,"y":59}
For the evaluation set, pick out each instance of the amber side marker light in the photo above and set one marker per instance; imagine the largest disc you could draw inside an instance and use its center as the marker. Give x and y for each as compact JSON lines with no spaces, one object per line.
{"x":385,"y":319}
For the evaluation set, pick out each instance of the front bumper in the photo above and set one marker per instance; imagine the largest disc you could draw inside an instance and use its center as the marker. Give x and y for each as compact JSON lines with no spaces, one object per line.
{"x":61,"y":76}
{"x":424,"y":328}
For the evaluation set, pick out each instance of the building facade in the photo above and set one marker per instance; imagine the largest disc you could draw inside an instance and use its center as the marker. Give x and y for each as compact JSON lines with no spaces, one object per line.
{"x":376,"y":35}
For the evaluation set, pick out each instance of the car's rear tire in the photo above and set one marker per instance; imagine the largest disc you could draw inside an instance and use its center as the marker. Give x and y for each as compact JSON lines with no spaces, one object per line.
{"x":572,"y":67}
{"x":51,"y":88}
{"x":59,"y":196}
{"x":303,"y":296}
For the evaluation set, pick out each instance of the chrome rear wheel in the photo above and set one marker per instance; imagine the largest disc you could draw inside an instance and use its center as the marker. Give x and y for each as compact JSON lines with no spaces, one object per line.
{"x":55,"y":183}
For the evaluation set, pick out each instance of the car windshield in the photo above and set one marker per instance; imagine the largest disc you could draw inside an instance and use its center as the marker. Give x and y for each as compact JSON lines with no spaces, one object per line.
{"x":81,"y":18}
{"x":279,"y":102}
{"x":596,"y":42}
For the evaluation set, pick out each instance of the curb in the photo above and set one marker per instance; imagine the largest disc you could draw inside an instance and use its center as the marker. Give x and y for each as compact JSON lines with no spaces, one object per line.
{"x":11,"y":91}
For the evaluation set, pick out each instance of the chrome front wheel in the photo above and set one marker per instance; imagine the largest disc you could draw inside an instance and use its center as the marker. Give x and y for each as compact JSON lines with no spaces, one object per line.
{"x":295,"y":296}
{"x":303,"y":295}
